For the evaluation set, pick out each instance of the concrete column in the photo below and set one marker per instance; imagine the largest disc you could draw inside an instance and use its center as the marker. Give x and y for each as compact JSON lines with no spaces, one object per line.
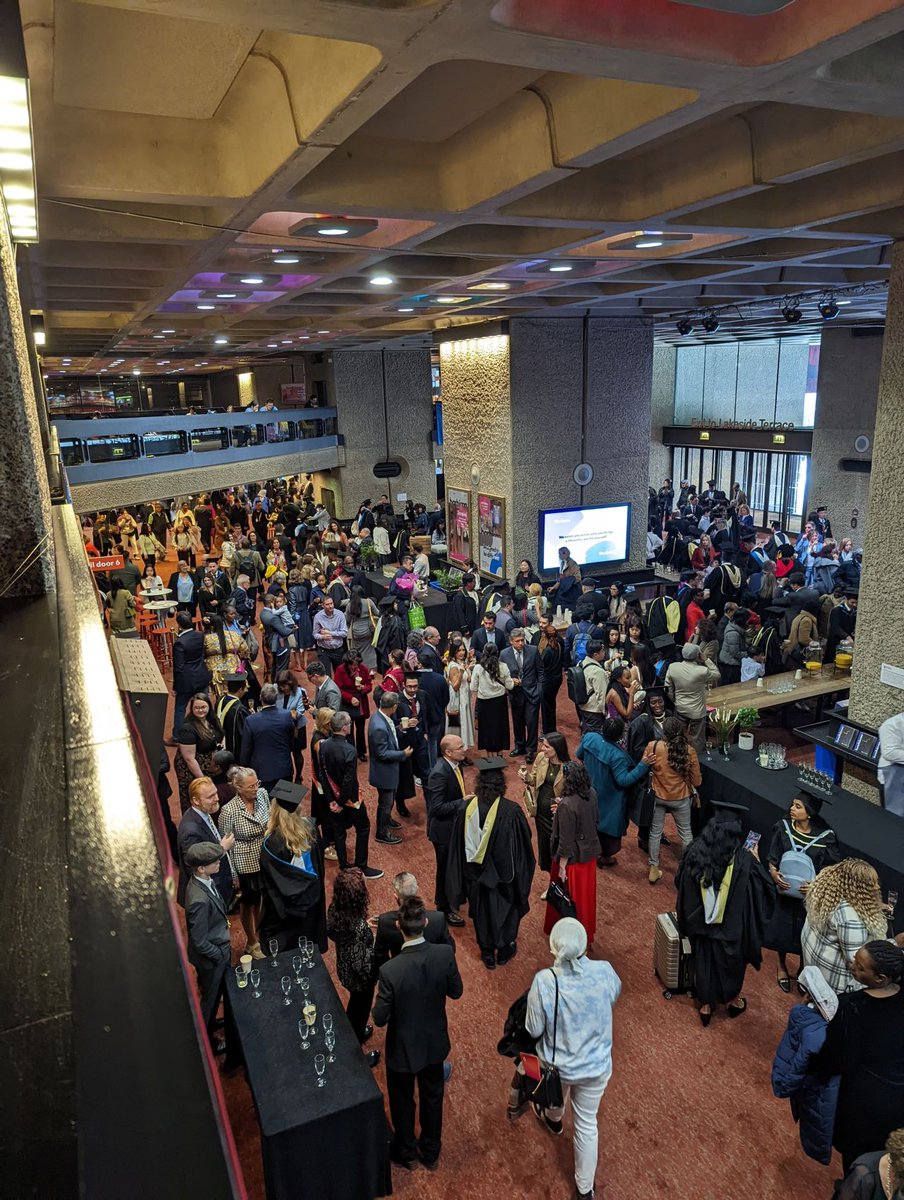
{"x":663,"y":411}
{"x":849,"y":363}
{"x":402,"y":430}
{"x":514,"y":418}
{"x":24,"y":494}
{"x":880,"y":635}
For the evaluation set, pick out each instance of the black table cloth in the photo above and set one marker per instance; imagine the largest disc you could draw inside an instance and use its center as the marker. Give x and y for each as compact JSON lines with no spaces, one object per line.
{"x":329,"y":1143}
{"x":864,"y":830}
{"x":437,"y":608}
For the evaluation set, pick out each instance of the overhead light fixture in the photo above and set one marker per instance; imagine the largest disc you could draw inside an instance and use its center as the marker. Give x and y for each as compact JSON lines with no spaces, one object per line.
{"x":323,"y":331}
{"x":226,"y":295}
{"x":206,"y":307}
{"x":490,"y":285}
{"x":406,"y":310}
{"x":136,"y":371}
{"x":158,"y":337}
{"x":710,"y":321}
{"x":272,"y":345}
{"x":252,"y":279}
{"x":333,"y":231}
{"x":286,"y":258}
{"x":450,"y":299}
{"x":381,"y":280}
{"x":828,"y":308}
{"x":17,"y":172}
{"x":287,"y":341}
{"x":648,"y":244}
{"x":220,"y":341}
{"x":840,"y":302}
{"x":38,"y":332}
{"x":558,"y":267}
{"x":792,"y":313}
{"x":167,"y":331}
{"x":333,"y":227}
{"x":684,"y":326}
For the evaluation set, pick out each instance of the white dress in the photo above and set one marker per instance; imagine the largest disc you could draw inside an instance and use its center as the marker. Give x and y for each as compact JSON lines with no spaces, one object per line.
{"x":462,"y":701}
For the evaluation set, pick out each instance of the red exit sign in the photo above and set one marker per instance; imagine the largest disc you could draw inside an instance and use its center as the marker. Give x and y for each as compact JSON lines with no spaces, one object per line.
{"x":112,"y":563}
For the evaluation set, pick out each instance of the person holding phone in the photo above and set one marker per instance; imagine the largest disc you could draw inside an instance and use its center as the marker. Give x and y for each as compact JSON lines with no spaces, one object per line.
{"x":805,"y":832}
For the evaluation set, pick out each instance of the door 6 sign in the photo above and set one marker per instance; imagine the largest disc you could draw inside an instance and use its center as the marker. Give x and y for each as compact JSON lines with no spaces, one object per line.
{"x":113,"y":562}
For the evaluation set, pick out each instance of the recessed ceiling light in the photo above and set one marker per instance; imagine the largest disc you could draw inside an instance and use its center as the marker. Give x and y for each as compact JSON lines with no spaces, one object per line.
{"x":272,"y":345}
{"x":450,"y":299}
{"x":839,"y":302}
{"x":158,"y":337}
{"x":491,"y":285}
{"x":333,"y":231}
{"x":287,"y":341}
{"x":648,"y":244}
{"x":220,"y":341}
{"x":406,"y":310}
{"x":17,"y":191}
{"x":381,"y":280}
{"x":323,"y":331}
{"x":167,"y":331}
{"x":136,"y":372}
{"x":252,"y":279}
{"x":556,"y":267}
{"x":286,"y":258}
{"x":226,"y":295}
{"x":206,"y":307}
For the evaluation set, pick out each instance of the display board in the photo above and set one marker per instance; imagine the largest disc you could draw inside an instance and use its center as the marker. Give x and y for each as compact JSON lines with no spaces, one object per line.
{"x":458,"y":526}
{"x":491,"y":535}
{"x":598,"y":533}
{"x":293,"y":395}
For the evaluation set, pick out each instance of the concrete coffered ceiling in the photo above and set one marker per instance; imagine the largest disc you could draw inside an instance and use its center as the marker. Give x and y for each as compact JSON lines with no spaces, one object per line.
{"x":487,"y":158}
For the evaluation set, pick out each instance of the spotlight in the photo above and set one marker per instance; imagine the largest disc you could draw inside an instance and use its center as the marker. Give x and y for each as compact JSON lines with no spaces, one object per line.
{"x":828,"y":309}
{"x":792,"y":313}
{"x":684,"y":327}
{"x":710,"y":321}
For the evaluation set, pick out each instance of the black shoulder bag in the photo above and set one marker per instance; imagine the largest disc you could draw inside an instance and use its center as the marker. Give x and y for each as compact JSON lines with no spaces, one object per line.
{"x":547,"y":1091}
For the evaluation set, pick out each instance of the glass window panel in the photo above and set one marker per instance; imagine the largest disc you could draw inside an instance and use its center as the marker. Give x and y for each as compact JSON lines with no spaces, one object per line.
{"x":71,"y":452}
{"x":163,"y":442}
{"x":112,"y":449}
{"x":203,"y":441}
{"x":798,"y":467}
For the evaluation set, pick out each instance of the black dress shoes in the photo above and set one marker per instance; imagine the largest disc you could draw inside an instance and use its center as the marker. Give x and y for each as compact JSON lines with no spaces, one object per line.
{"x":393,"y":824}
{"x":368,"y":1032}
{"x":507,"y":954}
{"x":372,"y":1059}
{"x":455,"y":919}
{"x":403,"y":811}
{"x":389,"y":839}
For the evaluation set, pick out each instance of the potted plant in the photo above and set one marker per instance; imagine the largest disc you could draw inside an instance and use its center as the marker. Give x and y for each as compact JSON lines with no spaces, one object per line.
{"x":723,"y":721}
{"x":449,"y":581}
{"x":746,"y":718}
{"x":367,"y":553}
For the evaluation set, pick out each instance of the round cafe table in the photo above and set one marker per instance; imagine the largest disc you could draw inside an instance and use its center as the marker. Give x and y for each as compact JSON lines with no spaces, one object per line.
{"x":160,"y":607}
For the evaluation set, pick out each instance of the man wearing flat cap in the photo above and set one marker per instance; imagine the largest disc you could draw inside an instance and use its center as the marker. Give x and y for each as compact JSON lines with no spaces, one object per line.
{"x":209,"y":946}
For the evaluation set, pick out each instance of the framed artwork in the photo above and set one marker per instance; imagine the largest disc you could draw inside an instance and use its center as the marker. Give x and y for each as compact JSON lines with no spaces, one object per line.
{"x":458,"y":526}
{"x":293,"y":395}
{"x":491,"y":535}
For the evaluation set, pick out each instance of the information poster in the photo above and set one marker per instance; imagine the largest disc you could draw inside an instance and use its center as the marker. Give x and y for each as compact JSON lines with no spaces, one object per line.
{"x":293,"y":395}
{"x":491,"y":535}
{"x":458,"y":525}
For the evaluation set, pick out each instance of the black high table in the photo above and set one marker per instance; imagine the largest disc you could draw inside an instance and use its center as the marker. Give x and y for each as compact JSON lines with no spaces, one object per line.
{"x":329,"y":1143}
{"x":864,"y":830}
{"x":437,"y":609}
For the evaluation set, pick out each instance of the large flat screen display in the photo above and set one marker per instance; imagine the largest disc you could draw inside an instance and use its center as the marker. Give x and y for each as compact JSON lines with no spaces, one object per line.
{"x":597,"y":533}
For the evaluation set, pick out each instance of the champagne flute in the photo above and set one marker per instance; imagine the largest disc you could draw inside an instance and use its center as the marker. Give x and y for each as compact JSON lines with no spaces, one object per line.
{"x":297,"y":964}
{"x":286,"y":984}
{"x":241,"y":979}
{"x":305,"y":984}
{"x":274,"y":950}
{"x":310,"y":1015}
{"x":303,"y":1034}
{"x":320,"y":1067}
{"x":329,"y":1038}
{"x":255,"y":983}
{"x":327,"y":1022}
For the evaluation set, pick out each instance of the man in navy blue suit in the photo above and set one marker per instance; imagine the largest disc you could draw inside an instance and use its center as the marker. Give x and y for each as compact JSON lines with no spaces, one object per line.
{"x":267,"y":740}
{"x":436,"y":689}
{"x":198,"y":824}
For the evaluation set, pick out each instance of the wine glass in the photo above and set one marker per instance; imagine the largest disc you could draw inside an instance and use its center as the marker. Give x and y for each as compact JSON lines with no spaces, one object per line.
{"x":255,"y":983}
{"x":709,"y":746}
{"x":320,"y":1067}
{"x":310,"y":1015}
{"x":309,"y":952}
{"x":297,"y":964}
{"x":274,"y":950}
{"x":327,"y":1022}
{"x":305,"y":984}
{"x":329,"y":1038}
{"x":303,"y":1034}
{"x":286,"y":984}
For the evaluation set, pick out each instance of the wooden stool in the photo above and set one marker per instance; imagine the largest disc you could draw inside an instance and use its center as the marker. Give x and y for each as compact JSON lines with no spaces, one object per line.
{"x":160,"y":638}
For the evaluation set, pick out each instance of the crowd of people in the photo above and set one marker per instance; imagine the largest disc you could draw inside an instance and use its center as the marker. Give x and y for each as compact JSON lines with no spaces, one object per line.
{"x":270,"y":757}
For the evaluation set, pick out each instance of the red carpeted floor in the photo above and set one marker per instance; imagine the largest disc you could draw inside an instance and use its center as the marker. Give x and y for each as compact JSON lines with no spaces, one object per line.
{"x":689,"y":1112}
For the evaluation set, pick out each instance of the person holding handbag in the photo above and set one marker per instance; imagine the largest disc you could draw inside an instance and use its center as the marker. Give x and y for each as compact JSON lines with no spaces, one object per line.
{"x":574,"y":845}
{"x":675,"y":772}
{"x":569,"y":1012}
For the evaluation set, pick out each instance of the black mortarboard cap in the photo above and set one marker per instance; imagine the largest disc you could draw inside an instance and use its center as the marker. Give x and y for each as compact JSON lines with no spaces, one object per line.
{"x":491,"y":763}
{"x":851,"y":593}
{"x":776,"y":610}
{"x":238,"y":677}
{"x":664,"y":642}
{"x":731,"y":806}
{"x":387,"y":601}
{"x":288,"y":795}
{"x":813,"y":799}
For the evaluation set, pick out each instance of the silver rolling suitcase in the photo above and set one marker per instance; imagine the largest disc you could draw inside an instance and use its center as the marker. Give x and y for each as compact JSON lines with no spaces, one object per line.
{"x":672,"y":960}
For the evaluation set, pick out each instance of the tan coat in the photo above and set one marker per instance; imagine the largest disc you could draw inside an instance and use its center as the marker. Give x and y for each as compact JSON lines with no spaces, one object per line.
{"x":804,"y":629}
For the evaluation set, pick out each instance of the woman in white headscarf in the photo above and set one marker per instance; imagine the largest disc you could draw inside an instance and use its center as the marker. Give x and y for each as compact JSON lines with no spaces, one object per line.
{"x":569,"y":1012}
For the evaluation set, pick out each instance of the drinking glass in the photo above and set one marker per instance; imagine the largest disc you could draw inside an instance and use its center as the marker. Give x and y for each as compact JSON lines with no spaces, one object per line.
{"x":329,"y":1038}
{"x":320,"y":1067}
{"x":302,"y":942}
{"x":286,"y":984}
{"x":297,"y":964}
{"x":274,"y":950}
{"x":255,"y":982}
{"x":327,"y":1022}
{"x":309,"y":952}
{"x":303,"y":1034}
{"x":709,"y":746}
{"x":241,"y":979}
{"x":305,"y":984}
{"x":310,"y":1015}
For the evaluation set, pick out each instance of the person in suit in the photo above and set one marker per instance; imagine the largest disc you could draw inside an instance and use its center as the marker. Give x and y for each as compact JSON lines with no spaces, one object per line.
{"x":505,"y":618}
{"x":411,"y":1001}
{"x":389,"y":940}
{"x":412,"y":719}
{"x":267,"y":740}
{"x":465,"y":606}
{"x":190,"y":672}
{"x":487,"y":633}
{"x":445,"y":794}
{"x":432,"y":640}
{"x":338,"y":775}
{"x":209,"y":944}
{"x":326,"y":693}
{"x":385,"y":757}
{"x":198,"y":825}
{"x":523,"y":662}
{"x":436,"y":688}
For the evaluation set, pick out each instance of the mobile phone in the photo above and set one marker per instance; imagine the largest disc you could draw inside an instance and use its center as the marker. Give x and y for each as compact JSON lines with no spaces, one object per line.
{"x":751,"y":840}
{"x":892,"y":902}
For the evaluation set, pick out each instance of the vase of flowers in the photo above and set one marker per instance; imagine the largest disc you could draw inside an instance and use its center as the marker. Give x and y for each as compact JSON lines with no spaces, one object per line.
{"x":723,"y":721}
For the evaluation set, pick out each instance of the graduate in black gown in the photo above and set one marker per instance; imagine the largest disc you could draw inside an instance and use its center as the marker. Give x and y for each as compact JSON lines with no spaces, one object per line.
{"x":725,"y":898}
{"x":804,"y":830}
{"x":292,"y":873}
{"x":842,"y":623}
{"x":491,"y":864}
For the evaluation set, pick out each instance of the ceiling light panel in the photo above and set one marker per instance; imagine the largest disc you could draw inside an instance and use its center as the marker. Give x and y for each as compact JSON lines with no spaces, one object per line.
{"x":17,"y":172}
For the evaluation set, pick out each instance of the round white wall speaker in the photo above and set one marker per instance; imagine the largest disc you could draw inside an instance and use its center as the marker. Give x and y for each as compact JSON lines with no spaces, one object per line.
{"x":582,"y":474}
{"x":861,"y":444}
{"x":475,"y":475}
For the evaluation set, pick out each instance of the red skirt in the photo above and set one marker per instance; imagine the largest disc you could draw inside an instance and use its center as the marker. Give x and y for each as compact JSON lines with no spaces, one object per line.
{"x":582,"y":886}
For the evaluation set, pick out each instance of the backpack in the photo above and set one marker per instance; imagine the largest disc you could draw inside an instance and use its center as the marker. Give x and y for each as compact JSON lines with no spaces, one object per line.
{"x":579,"y":646}
{"x":576,"y":683}
{"x":246,"y":567}
{"x":796,"y":865}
